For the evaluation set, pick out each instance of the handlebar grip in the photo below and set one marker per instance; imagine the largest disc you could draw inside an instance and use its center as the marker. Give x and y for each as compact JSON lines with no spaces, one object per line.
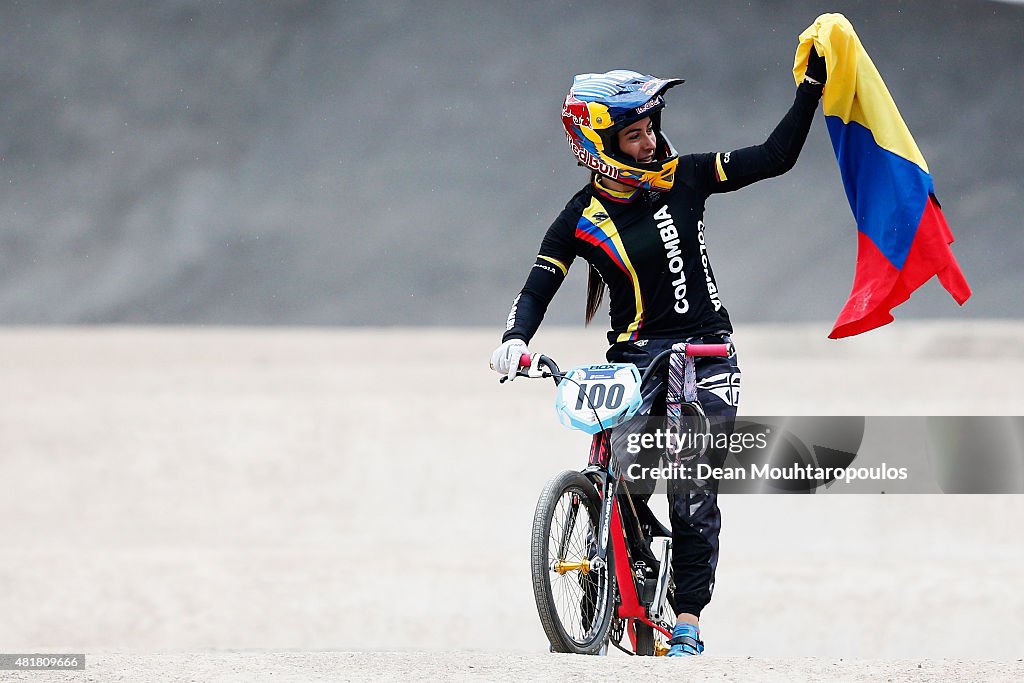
{"x":720,"y":350}
{"x":525,"y":360}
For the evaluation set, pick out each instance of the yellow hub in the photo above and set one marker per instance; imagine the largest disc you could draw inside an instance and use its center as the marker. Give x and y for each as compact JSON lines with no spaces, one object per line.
{"x":563,"y":567}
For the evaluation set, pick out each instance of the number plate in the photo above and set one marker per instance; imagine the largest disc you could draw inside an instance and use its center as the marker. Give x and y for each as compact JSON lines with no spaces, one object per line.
{"x":599,"y":396}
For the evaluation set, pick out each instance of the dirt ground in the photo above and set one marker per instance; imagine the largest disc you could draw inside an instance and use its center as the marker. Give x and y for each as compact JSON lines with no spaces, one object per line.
{"x":446,"y":665}
{"x":290,"y":495}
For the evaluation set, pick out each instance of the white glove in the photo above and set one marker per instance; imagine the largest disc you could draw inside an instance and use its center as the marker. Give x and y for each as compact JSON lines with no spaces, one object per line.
{"x":505,"y":359}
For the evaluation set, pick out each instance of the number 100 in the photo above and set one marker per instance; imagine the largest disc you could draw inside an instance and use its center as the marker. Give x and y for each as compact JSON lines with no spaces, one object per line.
{"x":600,"y":397}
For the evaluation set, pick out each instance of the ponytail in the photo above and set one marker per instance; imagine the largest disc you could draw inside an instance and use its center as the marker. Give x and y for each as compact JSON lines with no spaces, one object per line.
{"x":595,"y":290}
{"x":595,"y":284}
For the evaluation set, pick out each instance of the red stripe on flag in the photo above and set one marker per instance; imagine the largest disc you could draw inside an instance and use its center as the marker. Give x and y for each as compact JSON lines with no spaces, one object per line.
{"x":878,"y":287}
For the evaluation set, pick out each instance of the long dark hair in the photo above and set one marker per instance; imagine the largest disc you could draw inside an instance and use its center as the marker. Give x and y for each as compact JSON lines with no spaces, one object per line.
{"x":595,"y":290}
{"x":595,"y":283}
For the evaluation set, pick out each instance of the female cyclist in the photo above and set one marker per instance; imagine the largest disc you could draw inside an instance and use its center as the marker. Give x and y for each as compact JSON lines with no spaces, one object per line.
{"x":639,"y":224}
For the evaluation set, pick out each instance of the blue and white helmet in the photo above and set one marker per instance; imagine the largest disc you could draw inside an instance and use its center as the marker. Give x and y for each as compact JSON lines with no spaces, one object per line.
{"x":598,"y":106}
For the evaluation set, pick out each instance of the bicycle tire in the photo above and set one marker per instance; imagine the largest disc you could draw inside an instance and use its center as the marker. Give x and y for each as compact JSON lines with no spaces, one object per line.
{"x":559,"y":508}
{"x":644,"y":639}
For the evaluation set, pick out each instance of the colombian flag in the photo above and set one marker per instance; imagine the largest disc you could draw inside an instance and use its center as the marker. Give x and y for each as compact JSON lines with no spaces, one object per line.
{"x":902,"y":237}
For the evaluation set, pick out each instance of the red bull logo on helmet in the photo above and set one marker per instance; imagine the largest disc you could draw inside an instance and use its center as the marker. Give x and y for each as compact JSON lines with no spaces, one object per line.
{"x":657,"y":101}
{"x":590,"y":161}
{"x":577,"y":111}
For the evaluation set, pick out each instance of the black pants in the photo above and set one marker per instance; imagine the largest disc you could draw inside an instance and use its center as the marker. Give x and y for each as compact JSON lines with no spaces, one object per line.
{"x":695,"y":517}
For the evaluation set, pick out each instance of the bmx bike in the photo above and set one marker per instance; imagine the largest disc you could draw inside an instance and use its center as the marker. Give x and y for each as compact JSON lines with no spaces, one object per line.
{"x":600,"y":558}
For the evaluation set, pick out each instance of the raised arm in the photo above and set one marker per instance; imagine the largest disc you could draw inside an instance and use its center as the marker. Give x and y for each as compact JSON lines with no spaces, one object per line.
{"x":739,"y":168}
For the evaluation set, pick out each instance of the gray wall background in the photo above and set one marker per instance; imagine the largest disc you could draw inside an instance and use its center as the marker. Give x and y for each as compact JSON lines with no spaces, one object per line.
{"x":397,"y":162}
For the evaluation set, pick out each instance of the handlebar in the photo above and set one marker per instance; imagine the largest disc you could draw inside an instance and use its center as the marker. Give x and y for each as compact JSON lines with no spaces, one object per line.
{"x":692,"y":351}
{"x":537,"y":366}
{"x":710,"y":350}
{"x":526,"y":361}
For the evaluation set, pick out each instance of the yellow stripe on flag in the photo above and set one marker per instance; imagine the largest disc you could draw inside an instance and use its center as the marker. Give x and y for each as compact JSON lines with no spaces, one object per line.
{"x":855,"y":91}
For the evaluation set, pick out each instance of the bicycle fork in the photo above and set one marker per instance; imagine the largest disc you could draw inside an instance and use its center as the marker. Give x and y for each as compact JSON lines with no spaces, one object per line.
{"x":608,"y":514}
{"x":599,"y":558}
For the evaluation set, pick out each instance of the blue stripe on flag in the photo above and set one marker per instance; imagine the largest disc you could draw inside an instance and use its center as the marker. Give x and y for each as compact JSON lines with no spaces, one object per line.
{"x":886,"y":192}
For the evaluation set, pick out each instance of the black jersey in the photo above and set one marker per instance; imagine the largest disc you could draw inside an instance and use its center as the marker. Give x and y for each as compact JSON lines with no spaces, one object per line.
{"x":649,"y":247}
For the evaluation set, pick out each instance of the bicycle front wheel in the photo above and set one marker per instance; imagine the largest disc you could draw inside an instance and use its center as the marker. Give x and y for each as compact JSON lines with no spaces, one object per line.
{"x":574,"y":598}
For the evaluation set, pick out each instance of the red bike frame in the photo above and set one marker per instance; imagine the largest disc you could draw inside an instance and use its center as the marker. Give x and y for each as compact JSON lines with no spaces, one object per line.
{"x":630,"y":609}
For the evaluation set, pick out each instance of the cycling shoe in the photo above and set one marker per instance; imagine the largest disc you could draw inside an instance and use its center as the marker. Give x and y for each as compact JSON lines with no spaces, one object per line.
{"x":685,"y":641}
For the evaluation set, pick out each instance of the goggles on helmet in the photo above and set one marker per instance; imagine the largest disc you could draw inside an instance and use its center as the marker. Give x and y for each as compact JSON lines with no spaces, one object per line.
{"x":598,"y":106}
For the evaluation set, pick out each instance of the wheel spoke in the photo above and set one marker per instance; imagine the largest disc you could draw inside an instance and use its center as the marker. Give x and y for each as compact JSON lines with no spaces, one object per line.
{"x":573,"y":596}
{"x":575,"y":593}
